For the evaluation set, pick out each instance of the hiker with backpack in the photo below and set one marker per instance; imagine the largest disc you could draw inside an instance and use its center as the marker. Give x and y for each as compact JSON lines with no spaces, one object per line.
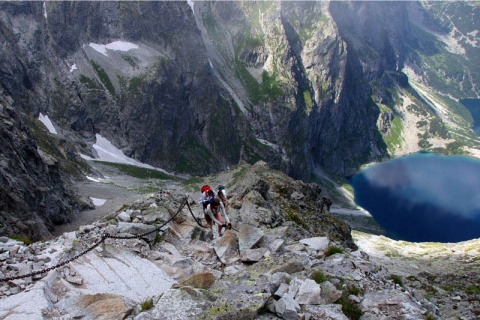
{"x":206,"y":197}
{"x":215,"y":212}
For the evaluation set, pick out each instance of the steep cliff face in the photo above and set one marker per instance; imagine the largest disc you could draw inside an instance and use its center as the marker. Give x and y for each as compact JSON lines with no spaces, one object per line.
{"x":305,"y":93}
{"x":34,"y":192}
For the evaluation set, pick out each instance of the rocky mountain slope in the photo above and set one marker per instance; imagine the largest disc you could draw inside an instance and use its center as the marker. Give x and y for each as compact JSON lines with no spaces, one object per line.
{"x":304,"y":86}
{"x":285,"y":258}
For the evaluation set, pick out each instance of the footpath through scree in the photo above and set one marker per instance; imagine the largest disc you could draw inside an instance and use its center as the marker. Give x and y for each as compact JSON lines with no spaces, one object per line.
{"x":105,"y":236}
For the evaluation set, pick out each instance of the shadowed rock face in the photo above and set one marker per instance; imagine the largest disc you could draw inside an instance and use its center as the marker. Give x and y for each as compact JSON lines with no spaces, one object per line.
{"x":167,"y":103}
{"x":34,"y":194}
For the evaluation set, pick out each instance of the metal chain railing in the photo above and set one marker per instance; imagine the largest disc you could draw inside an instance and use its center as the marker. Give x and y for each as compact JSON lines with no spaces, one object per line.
{"x":104,"y":237}
{"x":191,"y":212}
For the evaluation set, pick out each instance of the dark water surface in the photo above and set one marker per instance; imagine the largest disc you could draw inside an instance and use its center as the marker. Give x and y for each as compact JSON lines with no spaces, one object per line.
{"x":473,"y":105}
{"x":423,"y":197}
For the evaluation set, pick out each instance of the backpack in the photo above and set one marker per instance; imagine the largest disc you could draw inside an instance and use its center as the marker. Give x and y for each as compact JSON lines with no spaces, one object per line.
{"x":205,"y":188}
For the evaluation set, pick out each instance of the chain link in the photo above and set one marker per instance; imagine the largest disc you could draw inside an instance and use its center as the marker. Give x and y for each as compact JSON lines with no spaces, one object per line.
{"x":104,"y":237}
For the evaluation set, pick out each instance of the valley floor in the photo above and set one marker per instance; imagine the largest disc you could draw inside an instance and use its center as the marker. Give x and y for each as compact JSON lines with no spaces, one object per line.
{"x":110,"y":186}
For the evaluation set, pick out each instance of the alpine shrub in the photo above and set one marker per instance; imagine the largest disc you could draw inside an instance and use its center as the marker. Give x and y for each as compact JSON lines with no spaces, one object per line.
{"x":332,"y":250}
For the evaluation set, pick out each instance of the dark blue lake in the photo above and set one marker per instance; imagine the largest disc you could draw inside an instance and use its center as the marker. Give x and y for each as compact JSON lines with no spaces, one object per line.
{"x":423,"y":197}
{"x":473,"y":105}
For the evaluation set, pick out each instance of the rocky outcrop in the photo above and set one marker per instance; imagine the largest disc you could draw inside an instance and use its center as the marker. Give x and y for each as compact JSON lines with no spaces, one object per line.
{"x":146,"y":261}
{"x":185,"y":274}
{"x":35,"y":193}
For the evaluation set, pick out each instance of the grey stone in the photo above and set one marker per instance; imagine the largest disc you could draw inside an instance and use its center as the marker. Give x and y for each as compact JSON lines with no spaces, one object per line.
{"x":281,"y":290}
{"x":137,"y":229}
{"x":317,"y":243}
{"x":124,"y":217}
{"x":253,"y":255}
{"x":248,"y":237}
{"x":326,"y":312}
{"x":287,"y":308}
{"x":308,"y":293}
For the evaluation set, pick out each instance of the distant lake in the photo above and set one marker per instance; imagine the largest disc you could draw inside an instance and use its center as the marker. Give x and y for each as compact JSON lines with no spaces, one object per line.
{"x":423,"y":197}
{"x":473,"y":105}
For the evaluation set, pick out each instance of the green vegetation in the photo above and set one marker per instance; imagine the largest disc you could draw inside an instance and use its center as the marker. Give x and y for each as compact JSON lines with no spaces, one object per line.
{"x":453,"y":148}
{"x":333,"y":250}
{"x":252,"y":149}
{"x":133,"y":61}
{"x":396,"y":279}
{"x":295,"y":218}
{"x":318,"y":276}
{"x":193,"y":184}
{"x":445,"y":70}
{"x":252,"y":42}
{"x":157,"y":239}
{"x":21,"y":238}
{"x":74,"y":248}
{"x":308,"y":101}
{"x":237,"y":176}
{"x":146,"y":305}
{"x":200,"y":156}
{"x":393,"y":138}
{"x":350,"y":308}
{"x":135,"y":84}
{"x":269,"y":89}
{"x":102,"y":74}
{"x":419,"y":111}
{"x":89,"y":83}
{"x":437,"y":128}
{"x":55,"y":146}
{"x":473,"y":289}
{"x":421,"y":123}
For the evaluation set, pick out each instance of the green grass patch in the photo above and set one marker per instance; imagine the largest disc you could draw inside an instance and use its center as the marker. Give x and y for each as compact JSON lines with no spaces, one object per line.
{"x":102,"y":74}
{"x":89,"y":83}
{"x":318,"y":276}
{"x":296,"y":218}
{"x":473,"y":289}
{"x":135,"y":85}
{"x":333,"y":250}
{"x":350,"y":308}
{"x":308,"y":101}
{"x":268,"y":89}
{"x":21,"y":238}
{"x":393,"y":138}
{"x":146,"y":305}
{"x":396,"y":279}
{"x":133,"y":61}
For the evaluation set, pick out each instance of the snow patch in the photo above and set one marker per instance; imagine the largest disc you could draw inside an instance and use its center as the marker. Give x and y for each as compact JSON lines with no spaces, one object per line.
{"x":190,"y":3}
{"x":46,"y":121}
{"x":73,"y":67}
{"x":98,"y":202}
{"x":45,"y":9}
{"x":116,"y":46}
{"x":268,"y":143}
{"x":90,"y":178}
{"x":107,"y":152}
